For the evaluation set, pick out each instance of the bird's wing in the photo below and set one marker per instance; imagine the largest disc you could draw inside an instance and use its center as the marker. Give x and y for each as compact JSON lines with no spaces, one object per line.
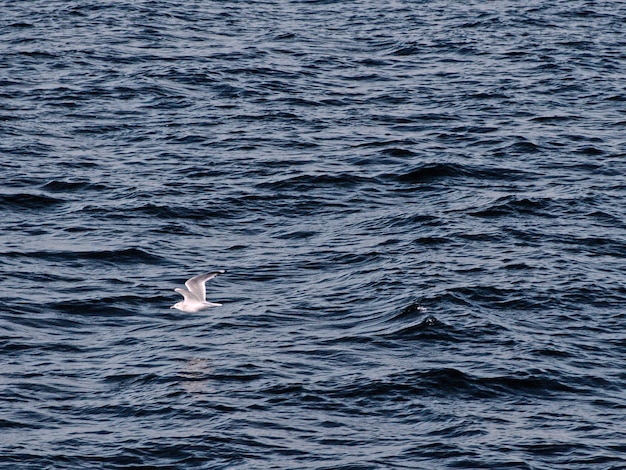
{"x":196,"y":284}
{"x":189,"y":296}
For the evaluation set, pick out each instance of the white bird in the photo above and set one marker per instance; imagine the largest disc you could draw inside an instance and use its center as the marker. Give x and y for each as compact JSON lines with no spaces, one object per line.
{"x":195,"y":297}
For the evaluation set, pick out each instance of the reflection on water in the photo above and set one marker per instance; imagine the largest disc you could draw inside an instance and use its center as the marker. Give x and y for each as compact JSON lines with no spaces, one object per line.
{"x":195,"y":374}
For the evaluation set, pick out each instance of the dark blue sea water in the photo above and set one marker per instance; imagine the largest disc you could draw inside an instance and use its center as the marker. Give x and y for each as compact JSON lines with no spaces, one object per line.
{"x":419,"y":205}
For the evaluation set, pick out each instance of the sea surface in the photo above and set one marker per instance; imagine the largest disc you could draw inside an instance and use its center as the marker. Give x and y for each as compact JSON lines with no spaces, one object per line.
{"x":419,"y":205}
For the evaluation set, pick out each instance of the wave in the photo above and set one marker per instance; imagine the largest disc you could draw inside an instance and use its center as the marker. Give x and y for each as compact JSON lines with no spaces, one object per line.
{"x":445,"y":382}
{"x":429,"y":172}
{"x":121,"y":256}
{"x":72,"y":186}
{"x":27,"y":201}
{"x":308,"y":182}
{"x":517,"y":206}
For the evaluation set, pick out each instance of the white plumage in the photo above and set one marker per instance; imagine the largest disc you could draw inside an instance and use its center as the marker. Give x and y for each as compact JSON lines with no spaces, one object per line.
{"x":195,"y":296}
